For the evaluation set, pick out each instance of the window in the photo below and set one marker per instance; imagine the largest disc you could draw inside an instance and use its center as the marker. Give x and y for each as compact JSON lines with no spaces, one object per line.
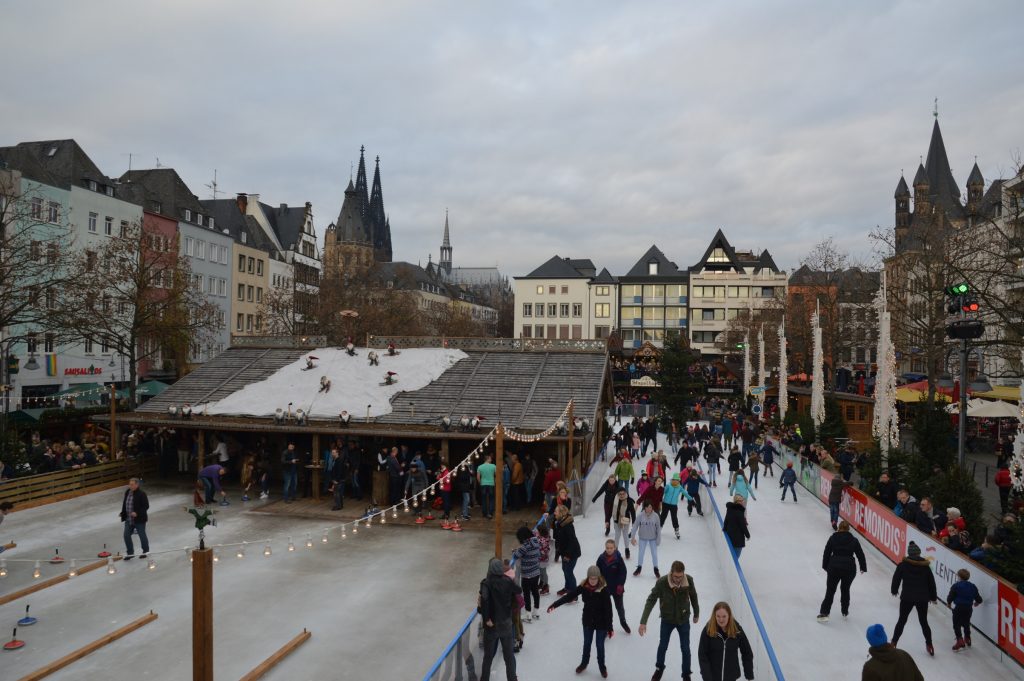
{"x":52,"y":212}
{"x":602,"y":310}
{"x":248,"y":322}
{"x":552,"y":310}
{"x":248,"y":293}
{"x":676,"y":291}
{"x":51,"y":253}
{"x":527,"y":309}
{"x":718,"y":255}
{"x":209,"y":223}
{"x":241,"y":263}
{"x":259,"y":268}
{"x":601,"y":290}
{"x":197,"y":282}
{"x":211,"y":285}
{"x":88,"y":346}
{"x":654,"y":314}
{"x":93,"y":217}
{"x":628,"y":335}
{"x":737,"y":313}
{"x":763,"y":291}
{"x":563,"y":331}
{"x":656,"y":292}
{"x":108,"y":226}
{"x":241,"y":291}
{"x":188,"y":215}
{"x":539,"y":309}
{"x":565,"y":290}
{"x":48,"y":343}
{"x":860,"y":355}
{"x":31,"y":342}
{"x":105,"y":303}
{"x":709,"y":291}
{"x":189,"y":245}
{"x":577,"y":309}
{"x":259,"y":294}
{"x":850,"y":412}
{"x":224,"y":255}
{"x":51,"y":299}
{"x":538,"y":331}
{"x":739,"y":291}
{"x":632,"y":313}
{"x":704,"y":336}
{"x":527,"y":331}
{"x":551,"y":290}
{"x":863,"y":412}
{"x":602,"y":332}
{"x":540,"y":292}
{"x":251,"y":265}
{"x":108,"y":190}
{"x":577,"y":331}
{"x":652,"y":268}
{"x":240,"y":322}
{"x":552,"y":331}
{"x":35,"y":250}
{"x":36,"y":209}
{"x":874,"y":355}
{"x":105,"y":347}
{"x":716,"y":314}
{"x":654,"y":334}
{"x":632,"y":291}
{"x":563,"y":310}
{"x":222,"y":287}
{"x":201,"y":250}
{"x":124,"y":228}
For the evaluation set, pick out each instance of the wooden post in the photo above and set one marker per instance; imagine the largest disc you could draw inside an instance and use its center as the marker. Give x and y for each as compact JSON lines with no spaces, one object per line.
{"x":202,"y":449}
{"x":113,"y":422}
{"x":446,"y":452}
{"x":571,"y":430}
{"x":202,"y":615}
{"x":499,"y":486}
{"x":316,"y":467}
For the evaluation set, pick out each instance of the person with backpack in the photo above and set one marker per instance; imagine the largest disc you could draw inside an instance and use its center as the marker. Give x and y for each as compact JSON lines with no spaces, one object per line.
{"x":597,"y":615}
{"x":497,"y":600}
{"x":527,"y":556}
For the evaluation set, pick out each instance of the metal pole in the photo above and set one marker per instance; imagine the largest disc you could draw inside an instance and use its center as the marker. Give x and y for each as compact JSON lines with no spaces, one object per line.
{"x":962,"y":439}
{"x":499,"y":477}
{"x":113,"y":421}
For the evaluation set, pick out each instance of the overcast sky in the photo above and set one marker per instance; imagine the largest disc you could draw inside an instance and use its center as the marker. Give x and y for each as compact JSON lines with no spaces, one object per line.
{"x":590,"y":129}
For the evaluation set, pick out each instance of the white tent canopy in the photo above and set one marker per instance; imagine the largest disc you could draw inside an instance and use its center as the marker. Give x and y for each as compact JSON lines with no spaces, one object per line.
{"x":985,"y":409}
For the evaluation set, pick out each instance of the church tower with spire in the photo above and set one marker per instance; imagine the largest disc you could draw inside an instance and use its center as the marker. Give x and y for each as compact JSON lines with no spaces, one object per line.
{"x":445,"y":263}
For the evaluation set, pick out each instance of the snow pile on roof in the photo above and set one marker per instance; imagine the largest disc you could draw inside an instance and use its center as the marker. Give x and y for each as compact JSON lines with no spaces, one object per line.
{"x":354,"y":383}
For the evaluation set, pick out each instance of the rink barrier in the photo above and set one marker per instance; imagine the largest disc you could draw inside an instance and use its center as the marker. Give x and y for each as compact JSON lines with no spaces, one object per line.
{"x":76,"y":655}
{"x":743,"y":605}
{"x":456,"y":662}
{"x":44,"y":488}
{"x":1000,"y":618}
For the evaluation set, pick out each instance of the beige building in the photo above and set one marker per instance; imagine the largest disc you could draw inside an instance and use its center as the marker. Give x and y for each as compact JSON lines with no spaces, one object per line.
{"x":566,"y":299}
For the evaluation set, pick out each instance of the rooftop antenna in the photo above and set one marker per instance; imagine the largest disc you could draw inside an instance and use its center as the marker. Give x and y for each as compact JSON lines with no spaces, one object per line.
{"x":129,"y":155}
{"x":212,"y":186}
{"x":158,"y":164}
{"x":935,"y":112}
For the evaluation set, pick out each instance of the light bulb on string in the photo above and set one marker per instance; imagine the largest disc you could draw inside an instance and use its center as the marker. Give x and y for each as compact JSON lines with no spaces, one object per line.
{"x":36,"y":573}
{"x":151,"y":565}
{"x":241,"y":551}
{"x":343,"y":535}
{"x":394,"y":512}
{"x":3,"y":567}
{"x":291,"y":544}
{"x":355,"y":528}
{"x":309,"y":540}
{"x":74,"y":568}
{"x":266,"y":550}
{"x":368,"y":523}
{"x":216,"y":557}
{"x":324,"y":538}
{"x":406,"y":509}
{"x":188,"y":552}
{"x":111,"y":568}
{"x":382,"y":517}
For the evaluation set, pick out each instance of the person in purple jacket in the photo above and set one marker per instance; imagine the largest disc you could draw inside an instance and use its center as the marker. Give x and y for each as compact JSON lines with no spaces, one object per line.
{"x":210,"y":477}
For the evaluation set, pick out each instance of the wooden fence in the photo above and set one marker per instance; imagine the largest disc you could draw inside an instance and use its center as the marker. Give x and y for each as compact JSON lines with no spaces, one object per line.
{"x":45,"y":488}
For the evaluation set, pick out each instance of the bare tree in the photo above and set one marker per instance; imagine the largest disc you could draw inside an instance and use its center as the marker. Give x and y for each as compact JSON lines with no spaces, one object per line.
{"x":378,"y":309}
{"x":278,"y":312}
{"x":456,"y":321}
{"x":34,"y":239}
{"x":136,"y":299}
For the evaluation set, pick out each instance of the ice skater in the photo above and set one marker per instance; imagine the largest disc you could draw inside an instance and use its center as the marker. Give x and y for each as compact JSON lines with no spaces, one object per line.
{"x":623,"y":517}
{"x":676,"y":593}
{"x":887,"y":661}
{"x":735,"y":524}
{"x":134,"y":507}
{"x":787,"y":481}
{"x":838,"y":563}
{"x":963,"y":598}
{"x":722,"y":647}
{"x":914,"y":574}
{"x":647,"y":530}
{"x":597,"y":615}
{"x":613,"y":569}
{"x":608,"y":489}
{"x":835,"y":499}
{"x":741,"y":487}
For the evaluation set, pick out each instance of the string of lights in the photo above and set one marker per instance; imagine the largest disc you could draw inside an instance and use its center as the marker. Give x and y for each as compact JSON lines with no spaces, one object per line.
{"x":352,"y":527}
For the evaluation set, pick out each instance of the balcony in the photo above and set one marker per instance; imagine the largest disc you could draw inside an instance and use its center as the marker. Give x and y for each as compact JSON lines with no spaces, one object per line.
{"x":654,"y":301}
{"x":631,"y":323}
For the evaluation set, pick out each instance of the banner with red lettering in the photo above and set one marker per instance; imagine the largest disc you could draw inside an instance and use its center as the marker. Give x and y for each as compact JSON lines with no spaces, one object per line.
{"x":876,"y":522}
{"x":1011,"y":621}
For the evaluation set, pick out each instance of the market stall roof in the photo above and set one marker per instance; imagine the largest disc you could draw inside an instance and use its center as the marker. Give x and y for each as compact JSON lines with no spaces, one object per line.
{"x":908,"y":394}
{"x":1002,"y":392}
{"x":994,"y":410}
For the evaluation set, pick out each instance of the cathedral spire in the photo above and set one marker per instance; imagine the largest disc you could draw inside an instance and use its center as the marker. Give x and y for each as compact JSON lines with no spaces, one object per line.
{"x":445,"y":263}
{"x":361,"y":191}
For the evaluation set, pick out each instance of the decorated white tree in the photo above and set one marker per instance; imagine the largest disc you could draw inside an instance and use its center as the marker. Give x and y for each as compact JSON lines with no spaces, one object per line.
{"x":746,"y":366}
{"x":783,"y":373}
{"x":817,"y":378}
{"x":886,"y":424}
{"x":1017,"y":463}
{"x":762,"y":371}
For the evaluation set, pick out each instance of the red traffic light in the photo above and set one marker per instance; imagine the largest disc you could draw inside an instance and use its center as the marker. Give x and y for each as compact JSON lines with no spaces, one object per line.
{"x":970,"y":306}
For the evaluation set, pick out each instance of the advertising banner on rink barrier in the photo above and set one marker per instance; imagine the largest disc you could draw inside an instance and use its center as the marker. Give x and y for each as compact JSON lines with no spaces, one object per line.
{"x":873,"y":520}
{"x":945,"y":564}
{"x":1011,"y":621}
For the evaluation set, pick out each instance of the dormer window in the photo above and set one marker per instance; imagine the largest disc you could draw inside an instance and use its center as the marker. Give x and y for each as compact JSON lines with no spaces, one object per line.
{"x":108,"y":190}
{"x":718,"y":255}
{"x":92,"y":185}
{"x":209,"y":223}
{"x":188,"y":215}
{"x":244,"y":235}
{"x":652,"y":268}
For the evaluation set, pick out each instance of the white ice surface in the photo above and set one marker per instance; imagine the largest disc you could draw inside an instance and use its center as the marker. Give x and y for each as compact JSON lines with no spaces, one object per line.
{"x":782,"y":563}
{"x":355,"y":385}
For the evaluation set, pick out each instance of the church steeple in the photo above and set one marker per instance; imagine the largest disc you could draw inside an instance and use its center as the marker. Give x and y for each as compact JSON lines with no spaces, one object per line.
{"x":361,"y":192}
{"x":445,"y":262}
{"x":378,"y":220}
{"x":975,"y":188}
{"x":944,"y":190}
{"x":902,"y":197}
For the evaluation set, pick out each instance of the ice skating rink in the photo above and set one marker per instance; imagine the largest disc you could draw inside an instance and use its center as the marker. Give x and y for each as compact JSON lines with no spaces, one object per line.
{"x":379,"y":606}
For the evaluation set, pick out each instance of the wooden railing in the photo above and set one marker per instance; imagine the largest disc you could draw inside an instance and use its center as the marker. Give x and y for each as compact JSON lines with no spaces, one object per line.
{"x":36,"y":490}
{"x":492,"y":344}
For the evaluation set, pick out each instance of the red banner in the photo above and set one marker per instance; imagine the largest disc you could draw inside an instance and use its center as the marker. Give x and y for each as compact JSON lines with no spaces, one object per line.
{"x":1011,"y":621}
{"x":871,"y":519}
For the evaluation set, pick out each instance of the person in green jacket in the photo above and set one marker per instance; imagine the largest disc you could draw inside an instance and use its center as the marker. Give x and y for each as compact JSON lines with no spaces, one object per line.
{"x":676,"y":593}
{"x":624,"y":472}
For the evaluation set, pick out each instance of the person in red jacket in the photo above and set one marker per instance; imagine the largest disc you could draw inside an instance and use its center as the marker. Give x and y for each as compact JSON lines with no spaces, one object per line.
{"x":653,"y":494}
{"x":551,"y":478}
{"x":1003,"y":482}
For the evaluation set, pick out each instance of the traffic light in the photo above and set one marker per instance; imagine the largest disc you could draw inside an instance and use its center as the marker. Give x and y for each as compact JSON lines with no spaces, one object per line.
{"x":965,"y":328}
{"x":969,"y":304}
{"x":957,"y":290}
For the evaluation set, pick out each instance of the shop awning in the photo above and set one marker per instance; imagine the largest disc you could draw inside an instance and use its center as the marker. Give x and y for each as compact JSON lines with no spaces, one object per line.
{"x":1002,"y":392}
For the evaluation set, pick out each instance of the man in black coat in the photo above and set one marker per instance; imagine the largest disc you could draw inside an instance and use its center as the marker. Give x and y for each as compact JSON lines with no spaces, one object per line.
{"x":838,"y":563}
{"x":134,"y":515}
{"x":339,"y":474}
{"x":885,"y":492}
{"x":918,"y":581}
{"x":497,"y":601}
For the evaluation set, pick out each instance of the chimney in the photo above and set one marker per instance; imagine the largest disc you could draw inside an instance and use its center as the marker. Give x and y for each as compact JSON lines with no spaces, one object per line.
{"x":282,"y":208}
{"x":242,"y":200}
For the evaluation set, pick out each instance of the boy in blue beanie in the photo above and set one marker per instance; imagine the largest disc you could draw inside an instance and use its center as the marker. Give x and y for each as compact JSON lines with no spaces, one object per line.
{"x":963,"y":598}
{"x":888,"y":663}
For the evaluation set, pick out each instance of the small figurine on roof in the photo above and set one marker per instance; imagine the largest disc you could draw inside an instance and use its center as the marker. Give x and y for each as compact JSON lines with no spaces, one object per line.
{"x":203,"y":520}
{"x":350,"y":349}
{"x":374,"y":358}
{"x":391,"y":349}
{"x":390,"y":378}
{"x":309,"y":363}
{"x":325,"y":384}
